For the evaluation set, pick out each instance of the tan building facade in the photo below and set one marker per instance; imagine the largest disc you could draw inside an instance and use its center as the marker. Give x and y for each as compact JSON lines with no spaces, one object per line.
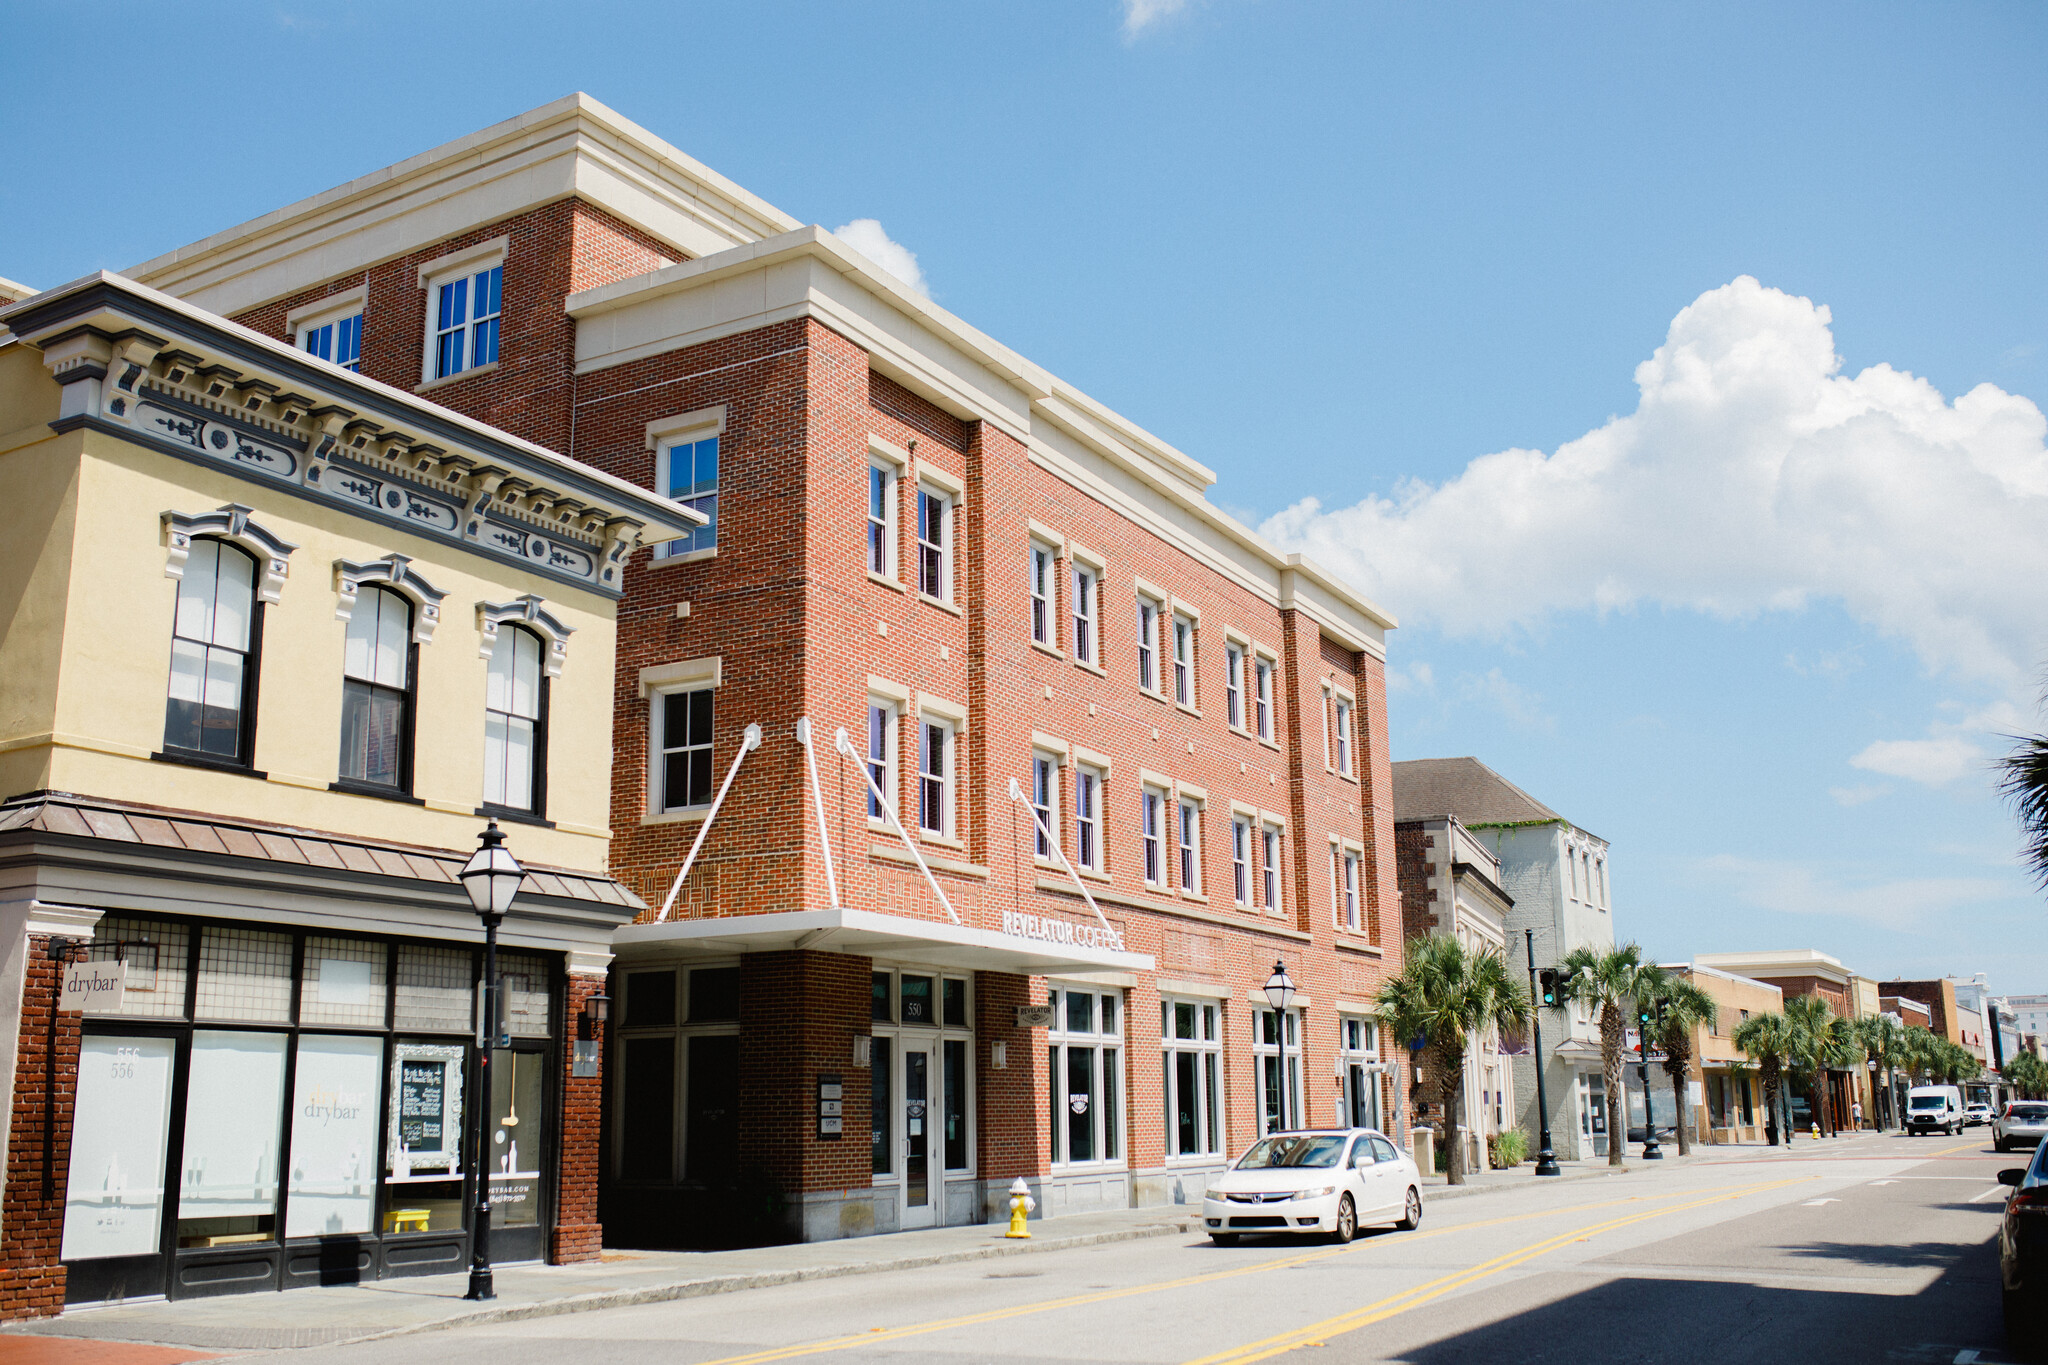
{"x":1726,"y":1099}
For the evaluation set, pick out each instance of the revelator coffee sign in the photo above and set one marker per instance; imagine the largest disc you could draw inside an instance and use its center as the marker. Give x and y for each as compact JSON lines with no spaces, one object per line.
{"x":1061,"y":933}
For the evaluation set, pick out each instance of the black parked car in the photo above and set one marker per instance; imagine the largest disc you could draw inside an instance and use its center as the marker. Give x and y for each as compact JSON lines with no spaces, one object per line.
{"x":2023,"y":1250}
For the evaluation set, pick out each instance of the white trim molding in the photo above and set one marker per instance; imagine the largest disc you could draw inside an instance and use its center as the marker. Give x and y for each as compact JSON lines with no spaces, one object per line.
{"x":705,"y":672}
{"x":700,"y":425}
{"x":230,"y":523}
{"x":526,"y":611}
{"x":396,"y":572}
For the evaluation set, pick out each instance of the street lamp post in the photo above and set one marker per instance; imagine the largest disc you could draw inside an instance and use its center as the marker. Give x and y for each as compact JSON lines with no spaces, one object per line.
{"x":1651,"y":1151}
{"x":1280,"y":994}
{"x":491,"y":877}
{"x":1546,"y":1158}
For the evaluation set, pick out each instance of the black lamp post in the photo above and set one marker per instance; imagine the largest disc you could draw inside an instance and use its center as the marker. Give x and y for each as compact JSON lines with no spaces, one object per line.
{"x":1546,"y":1157}
{"x":1651,"y":1151}
{"x":491,"y":877}
{"x":1280,"y":994}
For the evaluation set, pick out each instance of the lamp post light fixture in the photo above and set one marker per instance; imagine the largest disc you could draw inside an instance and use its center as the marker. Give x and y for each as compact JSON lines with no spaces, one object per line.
{"x":1546,"y":1157}
{"x":491,"y":878}
{"x":1280,"y":988}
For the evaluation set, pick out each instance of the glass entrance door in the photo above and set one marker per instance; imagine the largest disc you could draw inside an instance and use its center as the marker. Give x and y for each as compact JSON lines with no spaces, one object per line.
{"x":921,"y":1172}
{"x":114,"y":1196}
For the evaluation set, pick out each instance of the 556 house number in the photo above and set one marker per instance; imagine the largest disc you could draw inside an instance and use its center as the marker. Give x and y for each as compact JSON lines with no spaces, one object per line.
{"x":122,"y":1067}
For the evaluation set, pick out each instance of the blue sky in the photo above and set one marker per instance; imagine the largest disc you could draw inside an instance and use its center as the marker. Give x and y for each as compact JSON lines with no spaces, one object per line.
{"x":1754,"y":611}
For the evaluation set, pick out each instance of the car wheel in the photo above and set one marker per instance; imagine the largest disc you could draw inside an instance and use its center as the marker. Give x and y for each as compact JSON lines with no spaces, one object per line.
{"x":1347,"y":1221}
{"x":1412,"y":1218}
{"x":1224,"y":1239}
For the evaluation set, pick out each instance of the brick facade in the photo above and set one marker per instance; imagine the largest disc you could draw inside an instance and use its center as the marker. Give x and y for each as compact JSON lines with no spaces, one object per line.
{"x":32,"y":1221}
{"x":577,"y":1235}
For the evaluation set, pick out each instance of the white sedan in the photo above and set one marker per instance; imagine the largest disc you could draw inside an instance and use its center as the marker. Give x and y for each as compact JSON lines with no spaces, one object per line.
{"x":1327,"y":1181}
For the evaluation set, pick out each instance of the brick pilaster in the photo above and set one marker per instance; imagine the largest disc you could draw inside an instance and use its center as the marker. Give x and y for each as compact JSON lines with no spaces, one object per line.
{"x":32,"y":1226}
{"x":577,"y":1235}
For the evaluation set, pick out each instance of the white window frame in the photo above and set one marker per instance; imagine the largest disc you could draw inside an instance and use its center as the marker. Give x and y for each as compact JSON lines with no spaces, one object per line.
{"x":891,"y":713}
{"x":658,"y":749}
{"x":1152,"y":835}
{"x":1089,"y":781}
{"x":1212,"y":1122}
{"x":1183,"y":626}
{"x":332,"y":311}
{"x":1362,"y":1051}
{"x":1343,"y":733}
{"x":465,"y":265}
{"x":1042,"y":566}
{"x":663,"y":437}
{"x":1241,"y":860}
{"x":1271,"y":853}
{"x":1601,"y":865}
{"x":884,"y":524}
{"x":1285,"y":1051}
{"x":1345,"y":861}
{"x":1264,"y":670}
{"x":1328,"y":765}
{"x":512,"y":638}
{"x":657,"y":682}
{"x":947,"y":779}
{"x":940,"y":552}
{"x":1044,"y":789}
{"x":1187,"y":828}
{"x":1233,"y":684}
{"x":1086,"y":588}
{"x":1106,"y":1111}
{"x":1571,"y":857}
{"x":1148,"y":644}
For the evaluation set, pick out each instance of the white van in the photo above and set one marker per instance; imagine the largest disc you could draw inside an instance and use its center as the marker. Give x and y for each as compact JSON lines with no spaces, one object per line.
{"x":1934,"y":1108}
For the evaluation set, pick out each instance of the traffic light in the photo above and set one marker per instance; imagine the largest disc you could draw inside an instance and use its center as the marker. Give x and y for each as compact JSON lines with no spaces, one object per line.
{"x":1546,"y":980}
{"x":1644,"y":1014}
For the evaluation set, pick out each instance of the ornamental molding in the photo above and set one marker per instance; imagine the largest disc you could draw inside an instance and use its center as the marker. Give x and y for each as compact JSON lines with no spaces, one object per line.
{"x":231,"y":523}
{"x":394,"y":572}
{"x":526,"y":611}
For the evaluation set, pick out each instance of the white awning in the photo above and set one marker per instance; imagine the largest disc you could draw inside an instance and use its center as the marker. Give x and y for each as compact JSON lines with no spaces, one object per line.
{"x":886,"y":938}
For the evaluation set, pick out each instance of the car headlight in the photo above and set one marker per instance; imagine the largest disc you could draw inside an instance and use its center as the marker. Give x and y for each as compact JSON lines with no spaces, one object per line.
{"x":1315,"y":1193}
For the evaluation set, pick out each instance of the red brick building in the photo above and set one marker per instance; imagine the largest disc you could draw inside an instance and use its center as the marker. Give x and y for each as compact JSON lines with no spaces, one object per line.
{"x":991,"y":584}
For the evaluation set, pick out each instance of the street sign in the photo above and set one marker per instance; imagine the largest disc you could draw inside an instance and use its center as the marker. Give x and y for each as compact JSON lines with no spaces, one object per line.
{"x":95,"y":983}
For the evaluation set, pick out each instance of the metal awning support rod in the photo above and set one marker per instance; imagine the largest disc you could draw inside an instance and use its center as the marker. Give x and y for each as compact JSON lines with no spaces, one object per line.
{"x":1052,"y":842}
{"x":845,"y":746}
{"x":803,"y":737}
{"x":749,"y":742}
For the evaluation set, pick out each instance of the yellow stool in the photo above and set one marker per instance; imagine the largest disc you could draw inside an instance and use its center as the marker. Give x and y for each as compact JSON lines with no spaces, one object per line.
{"x":407,"y":1220}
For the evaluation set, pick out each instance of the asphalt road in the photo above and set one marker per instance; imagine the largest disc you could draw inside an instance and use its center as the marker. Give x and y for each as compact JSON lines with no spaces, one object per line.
{"x":1861,"y":1249}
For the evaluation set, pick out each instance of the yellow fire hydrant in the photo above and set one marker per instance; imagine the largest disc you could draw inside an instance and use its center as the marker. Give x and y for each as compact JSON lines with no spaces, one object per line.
{"x":1816,"y":1130}
{"x":1021,"y":1203}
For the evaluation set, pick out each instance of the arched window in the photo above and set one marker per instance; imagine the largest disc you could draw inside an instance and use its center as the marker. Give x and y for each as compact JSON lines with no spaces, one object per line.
{"x":211,"y":713}
{"x":515,"y":724}
{"x":377,"y":692}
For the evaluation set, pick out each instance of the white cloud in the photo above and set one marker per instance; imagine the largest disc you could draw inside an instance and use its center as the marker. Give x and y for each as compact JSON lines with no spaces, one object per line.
{"x":1932,"y":762}
{"x":865,"y":235}
{"x":1494,"y":688}
{"x":1858,"y":795}
{"x":1752,"y":476}
{"x":1140,"y":15}
{"x":1416,"y":677}
{"x":1789,"y":888}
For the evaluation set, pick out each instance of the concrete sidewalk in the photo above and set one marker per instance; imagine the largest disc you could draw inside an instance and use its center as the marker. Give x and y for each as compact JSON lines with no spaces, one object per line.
{"x":320,"y":1317}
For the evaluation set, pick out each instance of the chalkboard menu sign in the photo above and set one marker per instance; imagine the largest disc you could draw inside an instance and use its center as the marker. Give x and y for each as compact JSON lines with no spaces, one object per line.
{"x":422,"y":1102}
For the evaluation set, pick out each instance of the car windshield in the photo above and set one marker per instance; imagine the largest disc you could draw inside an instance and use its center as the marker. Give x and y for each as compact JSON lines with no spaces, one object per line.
{"x":1926,"y":1102}
{"x":1314,"y":1149}
{"x":2032,"y":1112}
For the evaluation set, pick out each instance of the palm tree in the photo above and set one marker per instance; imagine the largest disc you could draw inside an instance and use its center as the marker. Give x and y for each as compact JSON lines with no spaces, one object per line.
{"x":1916,"y":1050}
{"x":1882,"y":1034}
{"x":1768,"y":1040}
{"x":2025,"y":784}
{"x":1444,"y":993}
{"x":1611,"y":982}
{"x":1824,"y":1040}
{"x":2028,"y":1075}
{"x":1681,"y":1007}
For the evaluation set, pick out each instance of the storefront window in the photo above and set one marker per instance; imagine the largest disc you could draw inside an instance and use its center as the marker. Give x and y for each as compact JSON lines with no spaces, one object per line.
{"x":1085,"y":1068}
{"x":1276,"y":1050}
{"x":956,"y":1104}
{"x":694,"y":1060}
{"x":516,"y":1141}
{"x":244,"y":975}
{"x":234,"y":1103}
{"x":1191,"y":1040}
{"x":880,"y":1070}
{"x":435,"y":989}
{"x":114,"y":1202}
{"x":337,"y":1087}
{"x":342,"y":983}
{"x":156,"y":953}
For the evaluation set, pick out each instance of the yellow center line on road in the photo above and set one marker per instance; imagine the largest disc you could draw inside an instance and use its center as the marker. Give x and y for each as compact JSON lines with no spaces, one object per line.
{"x":1317,"y":1333}
{"x":881,"y":1335}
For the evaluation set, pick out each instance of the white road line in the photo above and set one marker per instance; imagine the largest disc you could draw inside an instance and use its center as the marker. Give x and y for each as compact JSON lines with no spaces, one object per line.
{"x":1964,"y":1358}
{"x":1816,"y":1203}
{"x":1980,"y":1198}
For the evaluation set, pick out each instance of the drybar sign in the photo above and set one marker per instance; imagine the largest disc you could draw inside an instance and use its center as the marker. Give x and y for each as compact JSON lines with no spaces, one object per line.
{"x":1040,"y":929}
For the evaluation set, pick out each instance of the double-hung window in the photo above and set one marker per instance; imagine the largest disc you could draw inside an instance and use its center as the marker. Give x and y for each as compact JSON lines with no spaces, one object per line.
{"x":687,"y":472}
{"x":515,"y":738}
{"x":212,"y":706}
{"x":1148,"y":644}
{"x":881,"y":754}
{"x":1045,"y":803}
{"x":1233,"y":687}
{"x":1040,"y":574}
{"x":881,"y":519}
{"x":1344,"y":737}
{"x":1240,"y":860}
{"x":935,"y":776}
{"x":1269,"y":865}
{"x":1191,"y":1041}
{"x":465,"y":316}
{"x":378,"y":659}
{"x":1344,"y":874}
{"x":1084,"y":1063}
{"x":1085,"y":584}
{"x":338,"y":340}
{"x":1151,"y":807}
{"x":1190,"y":830}
{"x":1357,"y":1051}
{"x":1262,"y":698}
{"x":934,"y":544}
{"x":1183,"y":660}
{"x":1276,"y":1053}
{"x":682,"y":745}
{"x":1088,"y":817}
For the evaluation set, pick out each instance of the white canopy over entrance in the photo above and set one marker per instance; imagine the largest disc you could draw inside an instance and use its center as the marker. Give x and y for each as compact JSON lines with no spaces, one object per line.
{"x":1039,"y":947}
